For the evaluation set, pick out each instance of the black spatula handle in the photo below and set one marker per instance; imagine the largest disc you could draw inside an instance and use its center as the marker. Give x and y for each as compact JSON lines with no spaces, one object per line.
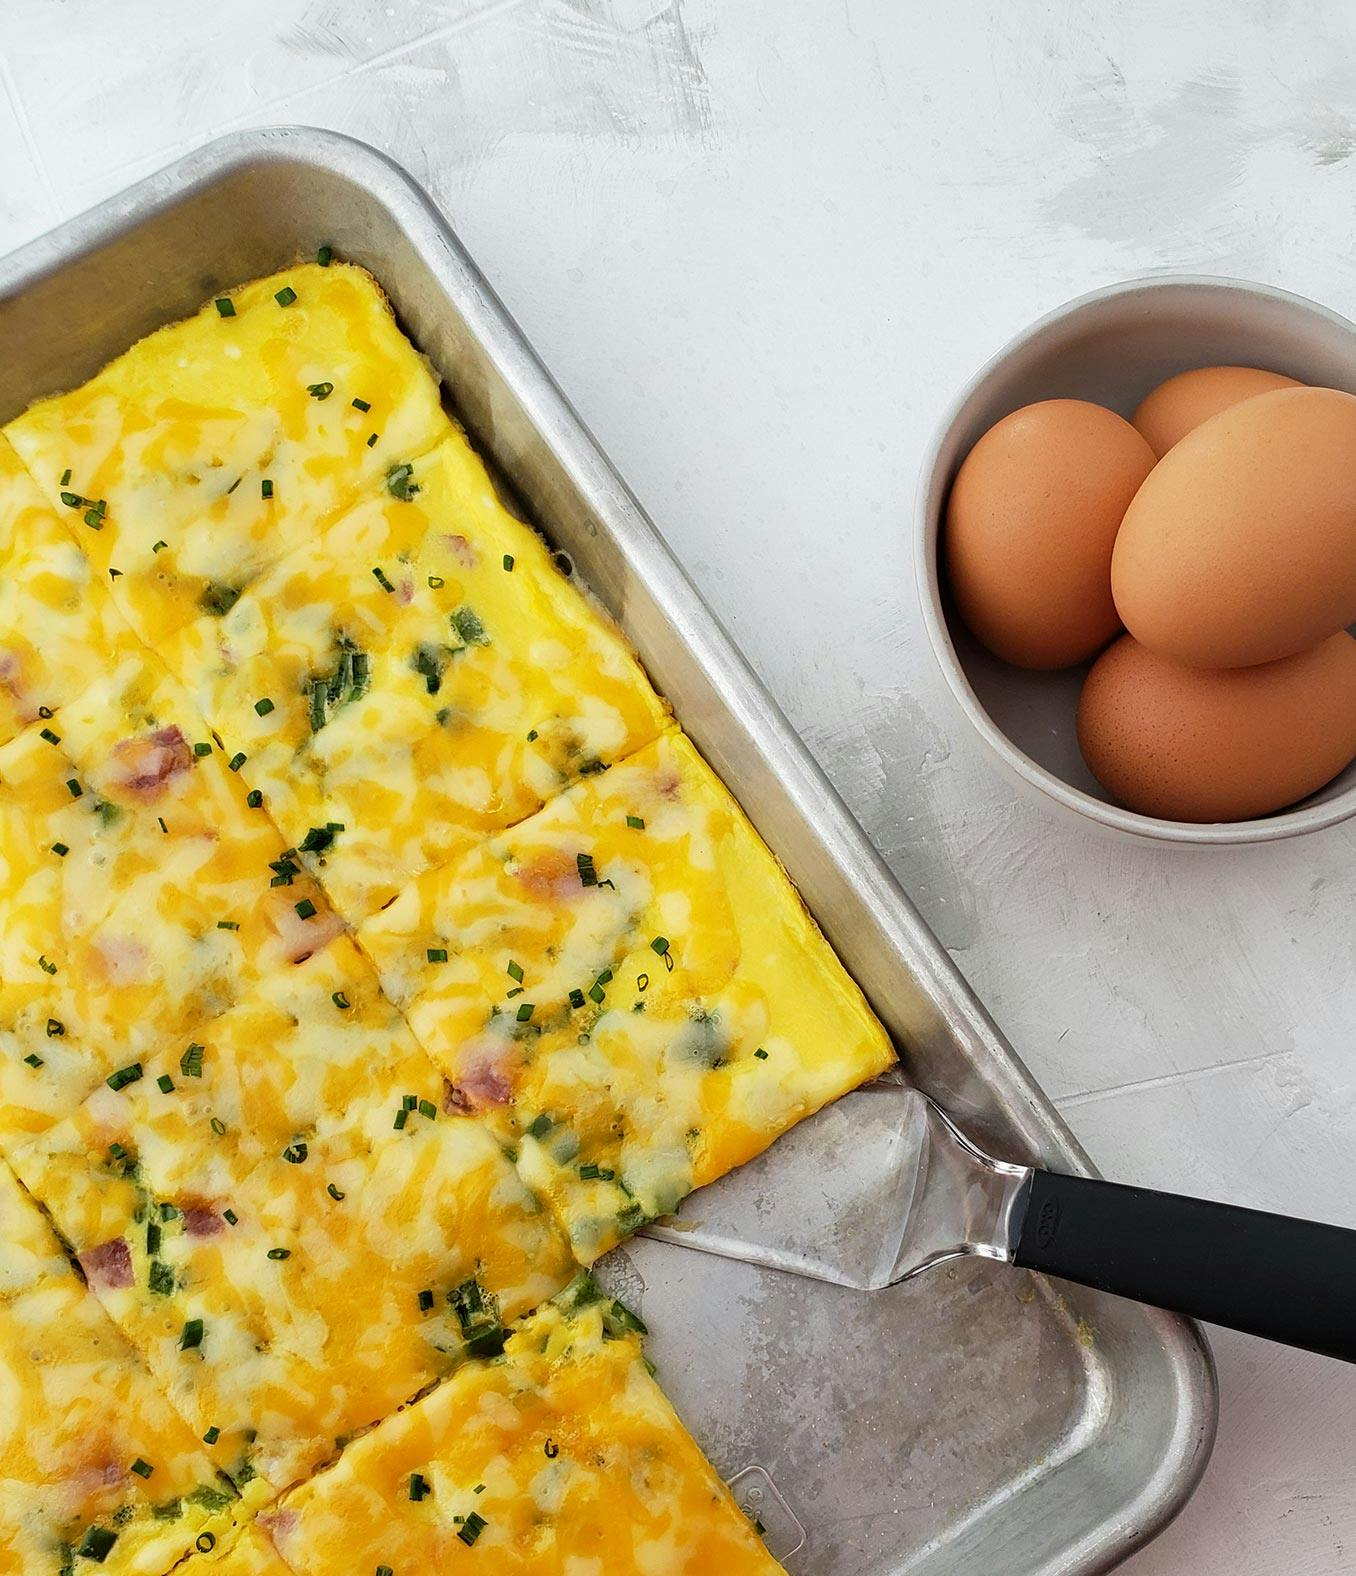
{"x":1292,"y":1281}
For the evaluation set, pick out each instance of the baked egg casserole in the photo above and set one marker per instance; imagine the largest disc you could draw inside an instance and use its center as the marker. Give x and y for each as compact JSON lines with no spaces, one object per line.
{"x":376,"y":953}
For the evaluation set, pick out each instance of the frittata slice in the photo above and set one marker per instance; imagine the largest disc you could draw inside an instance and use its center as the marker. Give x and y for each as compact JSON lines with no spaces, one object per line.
{"x":56,"y":615}
{"x":419,"y":675}
{"x":562,"y":1456}
{"x":284,"y":1219}
{"x":627,"y":987}
{"x":140,"y":895}
{"x":213,"y":446}
{"x":96,"y":1468}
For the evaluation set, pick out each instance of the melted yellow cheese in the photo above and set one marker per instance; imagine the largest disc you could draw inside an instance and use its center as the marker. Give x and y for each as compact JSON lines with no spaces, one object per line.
{"x":562,"y":1457}
{"x":249,"y":1554}
{"x":419,"y":674}
{"x":55,"y":612}
{"x":291,"y":1117}
{"x":97,"y":1472}
{"x":208,"y":450}
{"x":628,"y":988}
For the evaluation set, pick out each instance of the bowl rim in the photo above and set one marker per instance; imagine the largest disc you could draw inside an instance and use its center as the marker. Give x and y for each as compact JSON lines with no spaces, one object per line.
{"x":928,"y":520}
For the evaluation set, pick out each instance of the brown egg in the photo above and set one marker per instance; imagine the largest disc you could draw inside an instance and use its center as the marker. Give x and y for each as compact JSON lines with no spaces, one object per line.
{"x":1030,"y":525}
{"x":1202,"y":744}
{"x":1241,"y":545}
{"x":1181,"y":404}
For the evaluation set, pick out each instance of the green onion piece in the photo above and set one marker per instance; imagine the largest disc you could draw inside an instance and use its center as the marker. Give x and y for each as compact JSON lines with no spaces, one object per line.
{"x":467,"y":624}
{"x":190,"y":1063}
{"x":72,"y":500}
{"x":52,"y":738}
{"x":190,"y":1337}
{"x":540,"y":1127}
{"x":295,"y":1153}
{"x":589,"y":1171}
{"x":437,"y":954}
{"x":55,"y":1028}
{"x":218,"y":1126}
{"x":471,"y":1528}
{"x":65,"y":477}
{"x":202,"y":749}
{"x":230,"y":1217}
{"x":371,"y":440}
{"x":168,"y":1212}
{"x":46,"y":966}
{"x":159,"y":547}
{"x":95,"y":521}
{"x":286,"y":296}
{"x":576,"y":998}
{"x":161,"y":1280}
{"x":642,"y":982}
{"x":425,"y":1301}
{"x":428,"y":1109}
{"x":340,"y":1000}
{"x":335,"y":1194}
{"x":636,"y":821}
{"x":381,"y":579}
{"x":361,"y":404}
{"x":325,"y":256}
{"x":531,"y":735}
{"x":660,"y":945}
{"x":75,"y":789}
{"x":320,"y":390}
{"x":228,"y":924}
{"x":400,"y":482}
{"x":124,"y":1076}
{"x":305,"y":909}
{"x":420,"y":1488}
{"x":263,"y":706}
{"x":60,"y":850}
{"x":516,"y":991}
{"x":550,"y":1450}
{"x":401,"y":1117}
{"x":515,"y":972}
{"x":165,"y":1084}
{"x":254,"y":798}
{"x":212,"y":1435}
{"x":237,"y":760}
{"x":436,"y":582}
{"x":508,"y":562}
{"x":34,"y":1060}
{"x":225,"y":306}
{"x":160,"y":822}
{"x":525,"y":1011}
{"x":278,"y":1254}
{"x":408,"y":1103}
{"x":205,"y":1542}
{"x":117,"y":1151}
{"x":98,"y":1541}
{"x":218,"y":599}
{"x":318,"y":839}
{"x":761,"y":1054}
{"x":142,"y":1468}
{"x":266,"y":487}
{"x":383,"y":1570}
{"x":154,"y":1233}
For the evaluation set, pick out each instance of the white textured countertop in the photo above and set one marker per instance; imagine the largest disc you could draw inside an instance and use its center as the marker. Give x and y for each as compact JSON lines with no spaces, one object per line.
{"x":760,"y":246}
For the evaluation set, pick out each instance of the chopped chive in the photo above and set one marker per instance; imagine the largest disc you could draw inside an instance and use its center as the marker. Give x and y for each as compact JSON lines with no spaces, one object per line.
{"x":420,"y":1488}
{"x":382,"y":581}
{"x":190,"y":1063}
{"x":636,"y":821}
{"x":161,"y":1278}
{"x":588,"y":876}
{"x":437,"y":954}
{"x":286,"y":296}
{"x":525,"y":1011}
{"x":515,"y":972}
{"x":154,"y":1232}
{"x":467,"y":624}
{"x":531,"y":735}
{"x":335,"y":1193}
{"x":212,"y":1435}
{"x":325,"y":256}
{"x":165,"y":1084}
{"x":295,"y":1153}
{"x":428,"y":1109}
{"x":305,"y":909}
{"x":202,"y":749}
{"x":408,"y":1102}
{"x":361,"y":404}
{"x":320,"y":390}
{"x":478,"y":1489}
{"x":761,"y":1054}
{"x":596,"y":993}
{"x":225,"y":306}
{"x":436,"y":582}
{"x":660,"y":944}
{"x":160,"y":822}
{"x":230,"y":1217}
{"x":371,"y":440}
{"x":228,"y":924}
{"x":279,"y":1254}
{"x":340,"y":1000}
{"x":263,"y":706}
{"x":46,"y":965}
{"x":168,"y":1212}
{"x":97,"y":1543}
{"x":642,"y":982}
{"x":266,"y":487}
{"x":541,"y":1126}
{"x":318,"y":838}
{"x":471,"y":1528}
{"x":508,"y":562}
{"x":576,"y":998}
{"x":60,"y":850}
{"x":94,"y":520}
{"x":191,"y":1336}
{"x":516,"y":991}
{"x":425,"y":1301}
{"x":205,"y":1542}
{"x":55,"y":1028}
{"x":237,"y":760}
{"x":75,"y":789}
{"x":65,"y":477}
{"x":383,"y":1570}
{"x":218,"y":1126}
{"x":159,"y":547}
{"x":142,"y":1468}
{"x":52,"y":738}
{"x":34,"y":1060}
{"x":550,"y":1450}
{"x":401,"y":1117}
{"x":400,"y":482}
{"x":254,"y":798}
{"x":117,"y":1151}
{"x":72,"y":500}
{"x":124,"y":1076}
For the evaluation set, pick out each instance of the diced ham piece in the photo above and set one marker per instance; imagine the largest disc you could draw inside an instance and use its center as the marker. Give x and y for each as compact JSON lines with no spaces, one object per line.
{"x":124,"y":958}
{"x":485,"y":1077}
{"x":301,"y":937}
{"x":142,"y":766}
{"x":201,"y":1220}
{"x":462,"y":550}
{"x":280,"y":1525}
{"x":551,"y":873}
{"x":109,"y":1266}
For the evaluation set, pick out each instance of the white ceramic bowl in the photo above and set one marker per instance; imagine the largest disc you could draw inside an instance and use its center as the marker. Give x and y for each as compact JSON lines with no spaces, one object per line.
{"x":1112,"y":347}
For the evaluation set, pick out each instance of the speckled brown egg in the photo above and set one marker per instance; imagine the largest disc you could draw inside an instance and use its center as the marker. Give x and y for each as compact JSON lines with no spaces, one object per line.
{"x":1178,"y":406}
{"x":1199,"y":744}
{"x":1241,"y":545}
{"x":1030,"y":525}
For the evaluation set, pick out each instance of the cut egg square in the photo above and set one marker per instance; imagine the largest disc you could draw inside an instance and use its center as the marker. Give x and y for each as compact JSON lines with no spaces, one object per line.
{"x":563,"y":1455}
{"x":213,"y":446}
{"x":99,"y":1468}
{"x":418,"y":676}
{"x":627,"y":988}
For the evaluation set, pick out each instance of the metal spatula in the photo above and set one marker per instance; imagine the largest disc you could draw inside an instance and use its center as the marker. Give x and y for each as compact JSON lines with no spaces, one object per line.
{"x":883,"y":1185}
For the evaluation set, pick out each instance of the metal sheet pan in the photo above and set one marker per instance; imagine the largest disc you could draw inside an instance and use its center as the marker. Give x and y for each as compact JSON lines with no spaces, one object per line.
{"x":975,"y":1421}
